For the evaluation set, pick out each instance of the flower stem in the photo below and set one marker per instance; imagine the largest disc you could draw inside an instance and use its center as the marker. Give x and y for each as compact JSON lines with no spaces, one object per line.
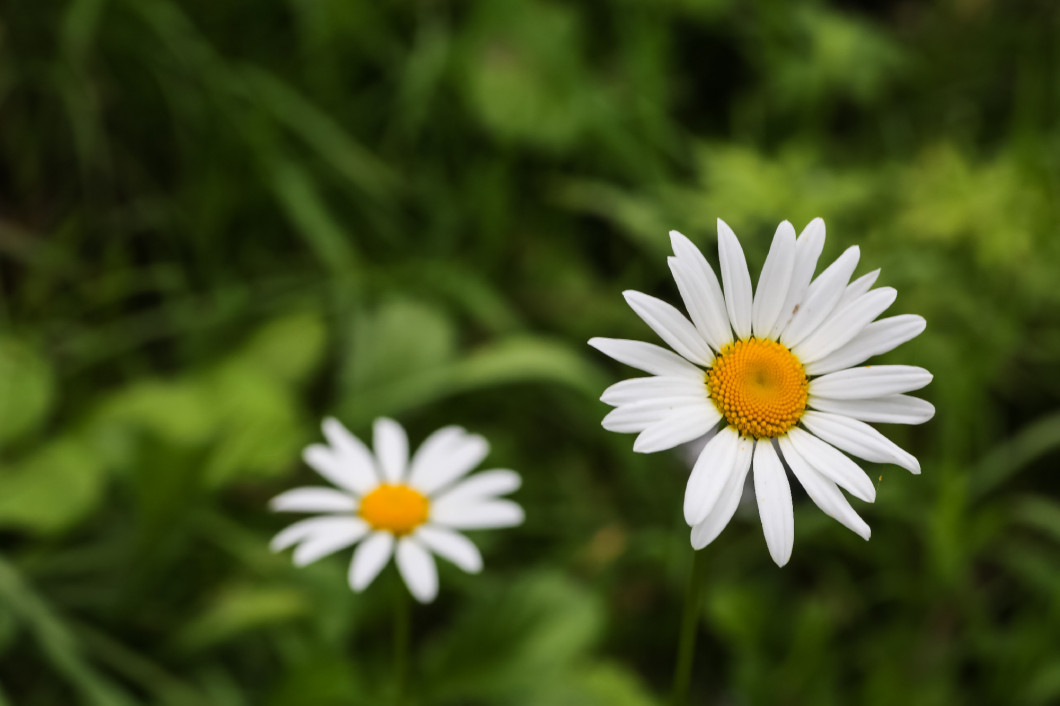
{"x":686,"y":646}
{"x":401,"y":644}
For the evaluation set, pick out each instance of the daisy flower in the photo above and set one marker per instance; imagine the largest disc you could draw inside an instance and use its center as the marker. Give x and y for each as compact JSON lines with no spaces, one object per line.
{"x":781,"y":370}
{"x":390,"y":505}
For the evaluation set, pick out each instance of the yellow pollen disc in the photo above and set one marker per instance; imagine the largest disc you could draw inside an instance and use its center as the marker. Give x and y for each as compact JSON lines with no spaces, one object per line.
{"x":395,"y":508}
{"x":760,"y":387}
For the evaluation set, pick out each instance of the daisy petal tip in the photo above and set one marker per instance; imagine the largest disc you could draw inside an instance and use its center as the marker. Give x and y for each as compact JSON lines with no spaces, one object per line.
{"x":780,"y":555}
{"x":424,"y":595}
{"x":311,"y":453}
{"x":694,"y":513}
{"x":301,"y":561}
{"x":643,"y":445}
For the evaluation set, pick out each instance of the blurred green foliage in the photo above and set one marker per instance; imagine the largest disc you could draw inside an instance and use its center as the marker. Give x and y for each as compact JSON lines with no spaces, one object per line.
{"x":221,"y":221}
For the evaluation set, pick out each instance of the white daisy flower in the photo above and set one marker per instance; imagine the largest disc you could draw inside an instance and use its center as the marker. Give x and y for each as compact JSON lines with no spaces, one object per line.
{"x":392,"y":505}
{"x":781,"y":370}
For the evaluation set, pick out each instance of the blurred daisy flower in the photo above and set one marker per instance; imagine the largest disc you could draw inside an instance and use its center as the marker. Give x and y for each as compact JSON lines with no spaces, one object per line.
{"x":781,"y":370}
{"x":390,"y":505}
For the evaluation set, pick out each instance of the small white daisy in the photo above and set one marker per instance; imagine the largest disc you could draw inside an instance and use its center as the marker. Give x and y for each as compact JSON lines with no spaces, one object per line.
{"x":782,"y":368}
{"x":396,"y":506}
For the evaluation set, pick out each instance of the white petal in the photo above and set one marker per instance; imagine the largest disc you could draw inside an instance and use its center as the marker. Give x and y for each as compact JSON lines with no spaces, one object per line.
{"x":821,"y":298}
{"x":307,"y":529}
{"x":445,"y":463}
{"x":391,"y":449}
{"x":844,"y":324}
{"x":736,"y":279}
{"x":635,"y":417}
{"x":439,"y":445}
{"x":774,"y":502}
{"x":774,"y":281}
{"x":708,"y":530}
{"x":452,"y":546}
{"x":830,"y":463}
{"x":876,"y":338}
{"x":717,"y":461}
{"x":487,"y":484}
{"x":682,"y":425}
{"x":639,"y":389}
{"x":895,"y":409}
{"x":858,"y":287}
{"x":671,"y":326}
{"x":870,"y":381}
{"x":330,"y":540}
{"x":808,"y":249}
{"x":313,"y":500}
{"x":335,"y":468}
{"x":647,"y":357}
{"x":824,"y":493}
{"x":369,"y":559}
{"x":353,"y":454}
{"x":700,"y":291}
{"x":859,"y":439}
{"x":418,"y":569}
{"x":476,"y":515}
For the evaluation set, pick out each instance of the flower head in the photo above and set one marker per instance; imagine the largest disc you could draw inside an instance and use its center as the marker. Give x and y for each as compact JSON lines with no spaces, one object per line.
{"x":781,"y":370}
{"x":389,"y":505}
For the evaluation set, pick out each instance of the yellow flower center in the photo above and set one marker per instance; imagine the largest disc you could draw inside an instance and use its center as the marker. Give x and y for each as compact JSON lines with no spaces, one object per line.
{"x":395,"y":508}
{"x":760,"y":387}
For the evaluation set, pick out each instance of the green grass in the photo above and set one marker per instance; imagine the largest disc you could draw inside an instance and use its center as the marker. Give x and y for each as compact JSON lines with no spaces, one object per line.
{"x":220,"y":222}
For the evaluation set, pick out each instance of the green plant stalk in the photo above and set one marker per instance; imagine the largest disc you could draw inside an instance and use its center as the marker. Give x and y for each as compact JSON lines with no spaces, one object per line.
{"x":686,"y":645}
{"x":402,"y":625}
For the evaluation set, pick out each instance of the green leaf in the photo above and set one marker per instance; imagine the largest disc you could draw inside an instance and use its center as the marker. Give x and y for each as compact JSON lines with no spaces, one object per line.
{"x":518,"y":359}
{"x":308,"y":212}
{"x":1040,"y":512}
{"x":259,"y":431}
{"x":401,"y":338}
{"x":53,"y":488}
{"x":1010,"y":456}
{"x":240,"y":609}
{"x":178,"y":412}
{"x":510,"y":642}
{"x":26,"y":389}
{"x":289,"y":348}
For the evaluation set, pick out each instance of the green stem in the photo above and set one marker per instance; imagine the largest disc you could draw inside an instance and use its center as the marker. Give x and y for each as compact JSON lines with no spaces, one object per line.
{"x":401,"y":644}
{"x":686,"y":646}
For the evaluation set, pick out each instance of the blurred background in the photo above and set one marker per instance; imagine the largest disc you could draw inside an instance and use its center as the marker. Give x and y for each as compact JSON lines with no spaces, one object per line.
{"x":220,"y":222}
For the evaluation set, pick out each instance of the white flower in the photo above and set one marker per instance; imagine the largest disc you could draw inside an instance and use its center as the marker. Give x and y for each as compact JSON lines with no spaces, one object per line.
{"x":782,"y":368}
{"x":392,"y":505}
